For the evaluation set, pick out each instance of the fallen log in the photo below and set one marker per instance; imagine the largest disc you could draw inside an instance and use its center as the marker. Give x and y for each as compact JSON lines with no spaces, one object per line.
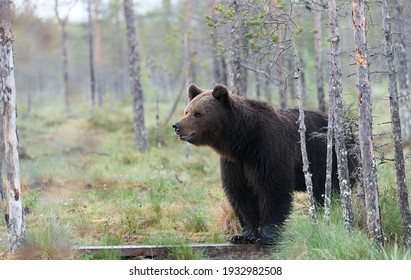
{"x":164,"y":251}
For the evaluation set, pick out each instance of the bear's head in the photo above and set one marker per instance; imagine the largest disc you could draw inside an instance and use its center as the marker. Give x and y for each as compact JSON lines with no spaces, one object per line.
{"x":205,"y":115}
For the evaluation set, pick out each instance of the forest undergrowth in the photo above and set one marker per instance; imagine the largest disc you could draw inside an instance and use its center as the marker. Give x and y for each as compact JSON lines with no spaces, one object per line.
{"x":85,"y":183}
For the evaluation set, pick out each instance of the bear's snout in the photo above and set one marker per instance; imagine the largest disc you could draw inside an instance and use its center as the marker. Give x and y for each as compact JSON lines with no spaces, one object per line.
{"x":177,"y":127}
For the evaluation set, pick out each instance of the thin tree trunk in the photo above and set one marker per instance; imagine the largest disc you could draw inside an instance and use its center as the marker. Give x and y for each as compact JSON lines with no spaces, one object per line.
{"x":403,"y":70}
{"x":135,"y":76}
{"x":2,"y":193}
{"x":302,"y":130}
{"x":186,"y":82}
{"x":334,"y":52}
{"x":224,"y":75}
{"x":97,"y":50}
{"x":396,"y":127}
{"x":91,"y":54}
{"x":63,"y":22}
{"x":14,"y":212}
{"x":365,"y":124}
{"x":214,"y":50}
{"x":318,"y":57}
{"x":336,"y":102}
{"x":235,"y":74}
{"x":257,"y":86}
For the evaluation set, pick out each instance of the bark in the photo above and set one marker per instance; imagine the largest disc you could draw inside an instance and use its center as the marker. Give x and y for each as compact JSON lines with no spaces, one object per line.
{"x":224,"y":71}
{"x":14,"y":212}
{"x":302,"y":130}
{"x":2,"y":193}
{"x":135,"y":76}
{"x":235,"y":74}
{"x":91,"y":54}
{"x":403,"y":78}
{"x":257,"y":86}
{"x":365,"y":124}
{"x":63,"y":23}
{"x":396,"y":126}
{"x":318,"y":58}
{"x":214,"y":50}
{"x":336,"y":114}
{"x":282,"y":88}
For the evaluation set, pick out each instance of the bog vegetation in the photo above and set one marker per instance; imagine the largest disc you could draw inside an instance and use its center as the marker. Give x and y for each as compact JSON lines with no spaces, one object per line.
{"x":85,"y":184}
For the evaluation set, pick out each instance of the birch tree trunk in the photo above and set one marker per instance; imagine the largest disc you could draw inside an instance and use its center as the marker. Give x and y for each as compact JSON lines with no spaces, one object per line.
{"x":2,"y":193}
{"x":365,"y":124}
{"x":14,"y":212}
{"x":336,"y":98}
{"x":396,"y":126}
{"x":235,"y":74}
{"x":318,"y":57}
{"x":135,"y":76}
{"x":403,"y":78}
{"x":302,"y":130}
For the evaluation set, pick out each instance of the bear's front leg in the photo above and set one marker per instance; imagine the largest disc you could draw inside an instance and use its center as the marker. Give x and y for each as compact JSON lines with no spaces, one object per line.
{"x":248,"y":236}
{"x":242,"y":199}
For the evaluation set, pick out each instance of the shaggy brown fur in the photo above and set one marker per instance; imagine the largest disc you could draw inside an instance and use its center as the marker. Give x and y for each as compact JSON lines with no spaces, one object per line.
{"x":260,"y":154}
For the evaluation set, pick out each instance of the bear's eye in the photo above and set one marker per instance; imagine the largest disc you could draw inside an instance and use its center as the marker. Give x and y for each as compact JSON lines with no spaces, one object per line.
{"x":197,"y":115}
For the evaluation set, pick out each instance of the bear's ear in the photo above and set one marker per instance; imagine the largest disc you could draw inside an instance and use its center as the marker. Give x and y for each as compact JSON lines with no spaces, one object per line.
{"x":193,"y":91}
{"x":220,"y":93}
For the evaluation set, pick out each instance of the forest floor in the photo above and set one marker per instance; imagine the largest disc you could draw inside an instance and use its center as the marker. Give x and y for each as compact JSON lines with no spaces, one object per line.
{"x":84,"y":183}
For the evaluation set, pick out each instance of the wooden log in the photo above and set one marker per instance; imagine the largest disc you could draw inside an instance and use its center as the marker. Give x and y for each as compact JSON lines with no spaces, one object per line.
{"x":163,"y":251}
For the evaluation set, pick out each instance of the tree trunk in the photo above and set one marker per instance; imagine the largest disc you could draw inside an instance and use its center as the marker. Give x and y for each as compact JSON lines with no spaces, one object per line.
{"x":63,"y":22}
{"x":91,"y":54}
{"x":403,"y":70}
{"x":302,"y":130}
{"x":2,"y":193}
{"x":214,"y":49}
{"x":235,"y":75}
{"x":336,"y":102}
{"x":257,"y":86}
{"x":97,"y":51}
{"x":318,"y":57}
{"x":396,"y":126}
{"x":365,"y":124}
{"x":135,"y":76}
{"x":14,"y":212}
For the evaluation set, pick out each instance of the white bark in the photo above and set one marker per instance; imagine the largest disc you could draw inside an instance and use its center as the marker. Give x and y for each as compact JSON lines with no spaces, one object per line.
{"x":14,"y":213}
{"x":302,"y":130}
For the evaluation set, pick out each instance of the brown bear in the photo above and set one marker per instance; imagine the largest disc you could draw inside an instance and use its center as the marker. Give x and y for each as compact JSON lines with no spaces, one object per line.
{"x":260,"y":156}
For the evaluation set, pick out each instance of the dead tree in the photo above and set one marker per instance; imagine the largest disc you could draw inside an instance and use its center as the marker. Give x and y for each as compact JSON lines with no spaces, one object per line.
{"x":369,"y":166}
{"x":336,"y":118}
{"x":318,"y":56}
{"x":302,"y":130}
{"x":396,"y":126}
{"x":14,"y":213}
{"x":62,"y":20}
{"x":135,"y":76}
{"x":403,"y":69}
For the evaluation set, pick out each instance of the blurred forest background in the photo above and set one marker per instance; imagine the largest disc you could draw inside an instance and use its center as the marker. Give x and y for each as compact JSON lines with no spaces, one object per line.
{"x":84,"y":180}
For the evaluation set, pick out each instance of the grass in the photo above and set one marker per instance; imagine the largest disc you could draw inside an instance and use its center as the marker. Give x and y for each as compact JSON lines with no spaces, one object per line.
{"x":85,"y":183}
